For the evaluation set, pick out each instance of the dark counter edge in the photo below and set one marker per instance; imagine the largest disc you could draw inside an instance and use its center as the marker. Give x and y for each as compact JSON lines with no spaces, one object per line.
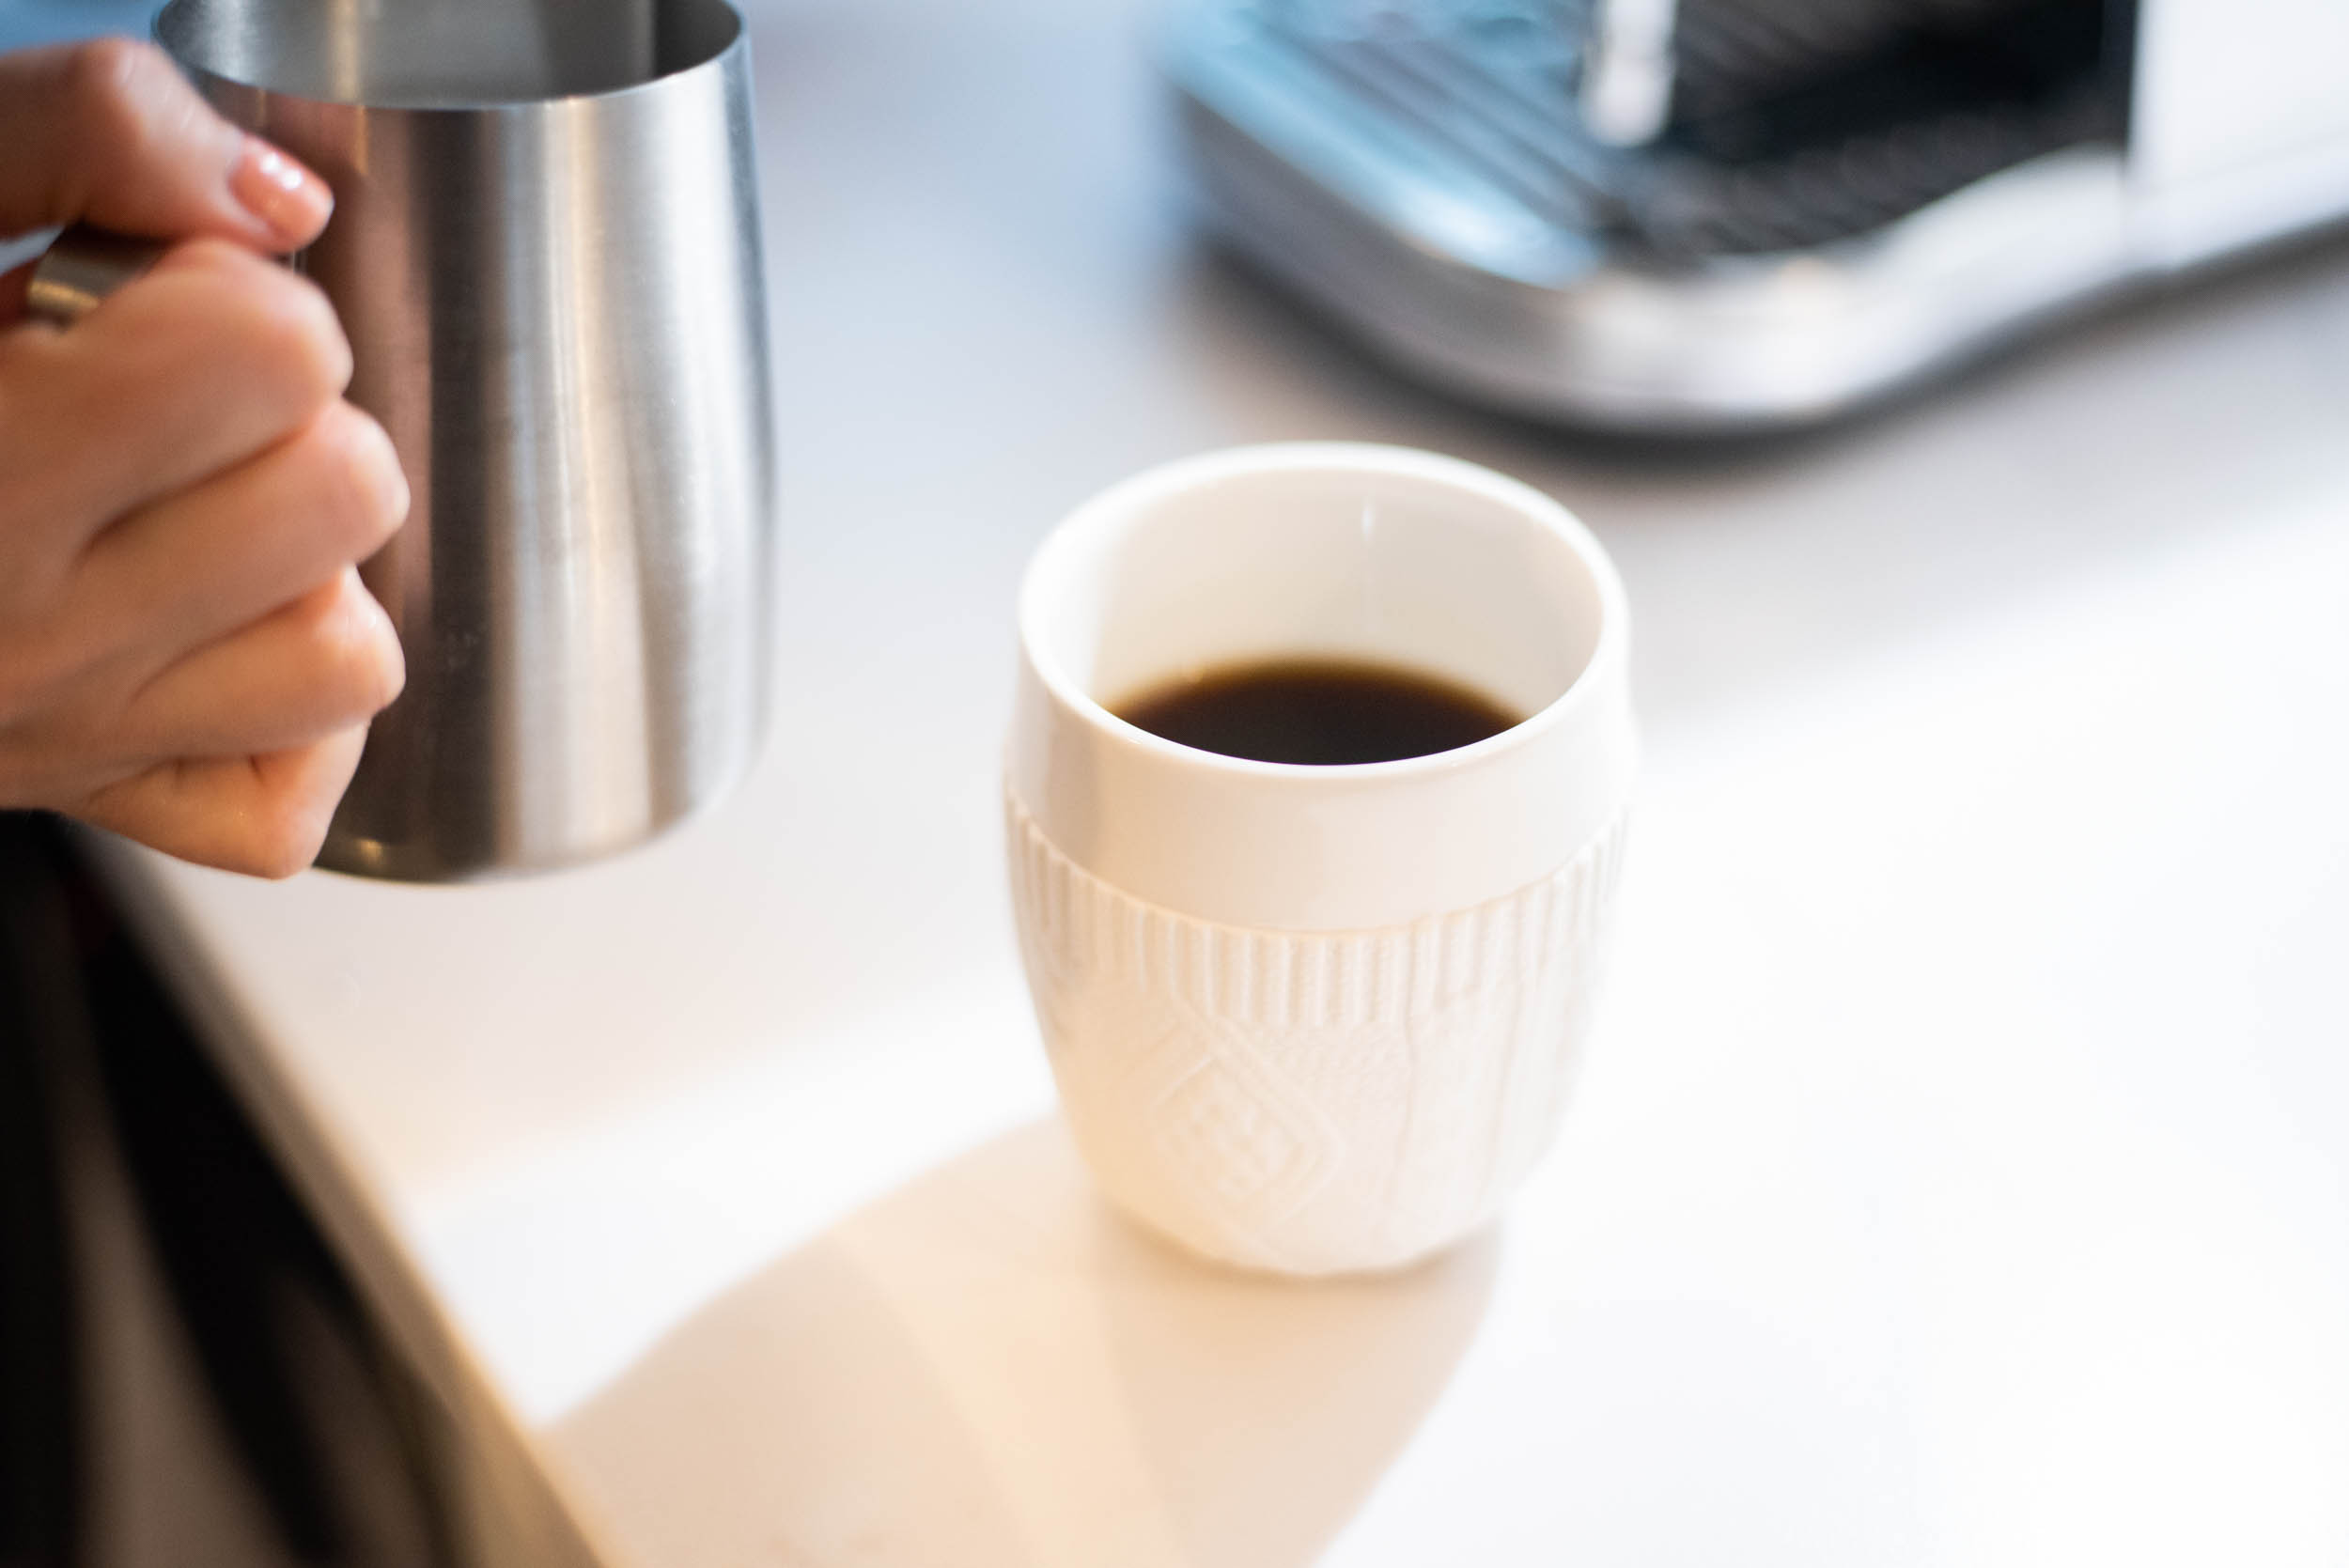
{"x":511,"y":1506}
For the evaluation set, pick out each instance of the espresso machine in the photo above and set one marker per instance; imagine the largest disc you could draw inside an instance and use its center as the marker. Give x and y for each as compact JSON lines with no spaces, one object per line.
{"x":1725,"y":214}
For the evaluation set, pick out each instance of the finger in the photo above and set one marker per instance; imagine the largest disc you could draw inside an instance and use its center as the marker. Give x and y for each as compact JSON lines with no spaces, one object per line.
{"x":191,"y":568}
{"x":211,"y":357}
{"x":264,"y":815}
{"x":323,"y":663}
{"x":109,"y":132}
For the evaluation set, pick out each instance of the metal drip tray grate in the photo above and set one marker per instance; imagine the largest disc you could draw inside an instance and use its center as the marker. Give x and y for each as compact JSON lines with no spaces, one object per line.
{"x":1839,"y":195}
{"x":1761,"y":155}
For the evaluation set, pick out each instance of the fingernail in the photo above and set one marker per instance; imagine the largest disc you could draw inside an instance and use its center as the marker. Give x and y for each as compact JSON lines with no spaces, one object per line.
{"x":288,"y":197}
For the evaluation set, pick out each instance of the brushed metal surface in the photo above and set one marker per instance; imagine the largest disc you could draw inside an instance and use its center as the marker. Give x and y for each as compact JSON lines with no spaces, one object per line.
{"x":546,"y":252}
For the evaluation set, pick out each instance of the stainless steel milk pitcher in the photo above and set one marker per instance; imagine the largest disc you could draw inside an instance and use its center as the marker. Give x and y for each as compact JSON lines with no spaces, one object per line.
{"x":545,"y":251}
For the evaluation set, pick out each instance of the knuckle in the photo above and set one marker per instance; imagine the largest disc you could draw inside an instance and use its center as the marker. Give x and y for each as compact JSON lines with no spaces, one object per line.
{"x":278,"y":327}
{"x":270,"y":334}
{"x":107,"y":82}
{"x":365,"y":494}
{"x":116,"y":92}
{"x":358,"y":656}
{"x":295,"y":335}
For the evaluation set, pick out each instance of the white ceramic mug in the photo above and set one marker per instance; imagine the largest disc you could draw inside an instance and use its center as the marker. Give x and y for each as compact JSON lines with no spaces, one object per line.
{"x":1317,"y":1019}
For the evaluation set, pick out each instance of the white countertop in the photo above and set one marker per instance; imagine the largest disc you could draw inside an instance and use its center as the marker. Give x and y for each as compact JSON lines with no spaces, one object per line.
{"x":1961,"y":1175}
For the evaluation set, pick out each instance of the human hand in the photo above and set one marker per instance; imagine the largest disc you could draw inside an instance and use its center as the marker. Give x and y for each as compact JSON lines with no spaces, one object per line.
{"x":187,"y":655}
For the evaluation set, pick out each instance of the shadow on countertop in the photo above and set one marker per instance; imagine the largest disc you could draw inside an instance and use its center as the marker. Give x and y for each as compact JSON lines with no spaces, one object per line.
{"x":988,"y":1368}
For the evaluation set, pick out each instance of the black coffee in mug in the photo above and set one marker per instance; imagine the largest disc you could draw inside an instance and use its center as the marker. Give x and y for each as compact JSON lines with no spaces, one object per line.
{"x":1324,"y":711}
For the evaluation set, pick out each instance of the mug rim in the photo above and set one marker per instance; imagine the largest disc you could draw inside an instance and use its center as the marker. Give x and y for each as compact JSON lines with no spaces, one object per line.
{"x":1117,"y":505}
{"x":736,"y":41}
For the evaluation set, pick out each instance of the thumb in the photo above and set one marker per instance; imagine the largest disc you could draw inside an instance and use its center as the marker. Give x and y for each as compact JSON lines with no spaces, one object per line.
{"x":109,"y":132}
